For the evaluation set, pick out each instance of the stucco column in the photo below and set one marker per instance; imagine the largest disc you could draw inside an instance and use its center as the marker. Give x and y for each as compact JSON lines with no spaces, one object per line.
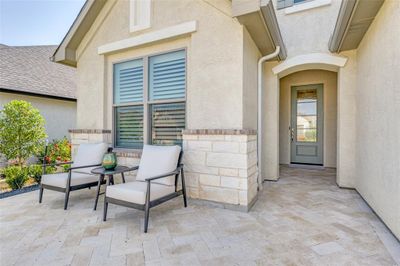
{"x":346,"y":122}
{"x":91,"y":92}
{"x":270,"y":128}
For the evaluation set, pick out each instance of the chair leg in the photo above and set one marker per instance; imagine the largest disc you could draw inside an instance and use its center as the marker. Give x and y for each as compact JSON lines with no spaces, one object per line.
{"x":183,"y":188}
{"x":147,"y":208}
{"x":41,"y":194}
{"x":146,"y":218}
{"x":105,"y":210}
{"x":98,"y":192}
{"x":66,"y":199}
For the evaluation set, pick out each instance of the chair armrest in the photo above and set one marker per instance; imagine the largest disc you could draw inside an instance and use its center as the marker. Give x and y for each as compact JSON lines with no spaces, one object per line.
{"x":133,"y":168}
{"x":175,"y":172}
{"x":83,"y":166}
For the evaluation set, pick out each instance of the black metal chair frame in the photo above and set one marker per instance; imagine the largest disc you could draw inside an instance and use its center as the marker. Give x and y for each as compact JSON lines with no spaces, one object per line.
{"x":150,"y":204}
{"x":68,"y":188}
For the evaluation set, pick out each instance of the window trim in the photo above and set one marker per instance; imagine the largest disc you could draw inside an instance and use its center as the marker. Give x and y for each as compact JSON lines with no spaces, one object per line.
{"x":306,"y":5}
{"x":146,"y":103}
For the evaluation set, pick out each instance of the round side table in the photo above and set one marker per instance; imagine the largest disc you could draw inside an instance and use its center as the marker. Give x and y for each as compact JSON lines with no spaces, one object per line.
{"x":102,"y":172}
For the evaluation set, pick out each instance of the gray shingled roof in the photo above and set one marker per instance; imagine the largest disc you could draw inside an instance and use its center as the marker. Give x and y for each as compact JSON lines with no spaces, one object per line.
{"x":29,"y":69}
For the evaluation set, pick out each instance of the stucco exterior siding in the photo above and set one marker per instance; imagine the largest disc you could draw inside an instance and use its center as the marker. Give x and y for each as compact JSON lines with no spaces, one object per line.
{"x":59,"y":115}
{"x":329,"y":80}
{"x":251,"y":54}
{"x":346,"y":124}
{"x":308,"y":31}
{"x":214,"y":62}
{"x":270,"y":124}
{"x":378,"y":109}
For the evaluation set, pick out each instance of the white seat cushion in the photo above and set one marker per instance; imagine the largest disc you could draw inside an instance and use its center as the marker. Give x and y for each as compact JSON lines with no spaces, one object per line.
{"x":158,"y":160}
{"x":135,"y":192}
{"x":60,"y":179}
{"x":89,"y":154}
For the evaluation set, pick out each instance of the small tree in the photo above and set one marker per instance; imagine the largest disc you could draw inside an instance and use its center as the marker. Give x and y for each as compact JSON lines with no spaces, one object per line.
{"x":22,"y":132}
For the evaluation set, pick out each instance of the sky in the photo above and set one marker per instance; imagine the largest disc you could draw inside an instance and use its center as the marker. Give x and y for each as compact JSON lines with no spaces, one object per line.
{"x":36,"y":22}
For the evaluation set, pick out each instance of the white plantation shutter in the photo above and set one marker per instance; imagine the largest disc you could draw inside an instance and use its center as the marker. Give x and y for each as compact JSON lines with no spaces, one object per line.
{"x":128,"y":82}
{"x":168,"y":121}
{"x":167,"y":76}
{"x":129,"y":126}
{"x":128,"y":88}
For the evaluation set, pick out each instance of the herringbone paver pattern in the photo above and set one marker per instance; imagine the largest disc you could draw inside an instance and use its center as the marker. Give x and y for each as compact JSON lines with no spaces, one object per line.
{"x":303,"y":219}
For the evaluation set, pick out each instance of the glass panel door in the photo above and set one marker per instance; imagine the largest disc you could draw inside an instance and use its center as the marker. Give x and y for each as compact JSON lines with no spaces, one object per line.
{"x":307,"y":124}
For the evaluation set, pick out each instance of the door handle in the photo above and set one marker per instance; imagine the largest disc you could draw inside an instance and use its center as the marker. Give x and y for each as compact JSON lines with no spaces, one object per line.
{"x":291,"y":134}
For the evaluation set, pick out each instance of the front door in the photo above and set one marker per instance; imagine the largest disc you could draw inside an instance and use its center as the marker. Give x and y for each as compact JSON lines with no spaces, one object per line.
{"x":306,"y":130}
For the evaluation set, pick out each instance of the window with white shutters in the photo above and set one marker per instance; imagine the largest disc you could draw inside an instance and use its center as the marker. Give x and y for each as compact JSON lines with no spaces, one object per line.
{"x":128,"y":104}
{"x":153,"y":109}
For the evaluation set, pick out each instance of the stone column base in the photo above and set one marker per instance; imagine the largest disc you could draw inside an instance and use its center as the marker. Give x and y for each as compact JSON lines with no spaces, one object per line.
{"x":221,"y":166}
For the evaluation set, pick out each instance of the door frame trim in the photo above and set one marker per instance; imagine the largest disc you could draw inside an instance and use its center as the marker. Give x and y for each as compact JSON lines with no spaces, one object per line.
{"x":321,"y":129}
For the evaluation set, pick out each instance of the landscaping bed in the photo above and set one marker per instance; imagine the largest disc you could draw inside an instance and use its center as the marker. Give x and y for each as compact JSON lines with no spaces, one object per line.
{"x":8,"y":193}
{"x":25,"y":153}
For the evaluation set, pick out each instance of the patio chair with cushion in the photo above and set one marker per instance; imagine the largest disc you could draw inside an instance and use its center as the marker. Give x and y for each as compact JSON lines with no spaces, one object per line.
{"x":156,"y":181}
{"x":89,"y":155}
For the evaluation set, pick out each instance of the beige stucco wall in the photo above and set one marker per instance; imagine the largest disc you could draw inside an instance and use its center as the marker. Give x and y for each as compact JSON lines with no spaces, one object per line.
{"x":378,"y":110}
{"x":59,"y":115}
{"x":328,"y":79}
{"x":308,"y":31}
{"x":251,"y":54}
{"x":214,"y":62}
{"x":346,"y":124}
{"x":270,"y":124}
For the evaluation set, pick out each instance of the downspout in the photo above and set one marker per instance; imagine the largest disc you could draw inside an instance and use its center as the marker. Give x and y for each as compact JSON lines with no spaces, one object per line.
{"x":259,"y":110}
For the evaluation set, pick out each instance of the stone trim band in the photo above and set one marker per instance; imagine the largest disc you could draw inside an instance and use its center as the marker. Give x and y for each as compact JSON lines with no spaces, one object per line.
{"x":90,"y":131}
{"x":219,"y":132}
{"x":185,"y":131}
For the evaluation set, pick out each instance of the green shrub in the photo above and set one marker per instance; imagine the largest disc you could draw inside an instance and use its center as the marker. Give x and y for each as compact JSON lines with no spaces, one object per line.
{"x":35,"y":171}
{"x":16,"y":176}
{"x":58,"y":151}
{"x":22,"y":131}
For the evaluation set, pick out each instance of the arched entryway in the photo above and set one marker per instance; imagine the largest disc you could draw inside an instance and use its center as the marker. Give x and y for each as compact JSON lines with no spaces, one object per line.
{"x":307,"y":118}
{"x":334,"y":73}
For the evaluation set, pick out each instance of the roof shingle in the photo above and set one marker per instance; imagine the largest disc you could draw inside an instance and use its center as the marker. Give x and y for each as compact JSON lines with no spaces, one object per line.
{"x":29,"y":69}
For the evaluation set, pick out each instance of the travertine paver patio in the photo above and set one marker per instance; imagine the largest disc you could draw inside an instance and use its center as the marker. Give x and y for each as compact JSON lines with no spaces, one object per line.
{"x":303,"y":219}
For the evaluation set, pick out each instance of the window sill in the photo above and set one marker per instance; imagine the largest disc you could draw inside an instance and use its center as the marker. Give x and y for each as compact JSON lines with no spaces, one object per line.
{"x":131,"y":153}
{"x":306,"y":6}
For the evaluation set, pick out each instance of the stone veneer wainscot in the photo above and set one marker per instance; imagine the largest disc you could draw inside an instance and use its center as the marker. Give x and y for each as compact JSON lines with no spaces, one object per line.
{"x":220,"y":165}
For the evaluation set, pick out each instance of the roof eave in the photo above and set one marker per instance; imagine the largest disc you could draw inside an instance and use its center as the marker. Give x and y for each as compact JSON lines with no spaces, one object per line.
{"x":353,"y":21}
{"x":66,"y":51}
{"x":260,"y":21}
{"x":34,"y":94}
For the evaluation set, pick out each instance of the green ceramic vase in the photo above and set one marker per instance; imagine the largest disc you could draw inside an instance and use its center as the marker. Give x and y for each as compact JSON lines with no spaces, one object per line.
{"x":109,"y":161}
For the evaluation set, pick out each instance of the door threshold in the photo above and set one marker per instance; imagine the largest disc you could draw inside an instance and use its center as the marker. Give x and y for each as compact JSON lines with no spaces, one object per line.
{"x":307,"y":166}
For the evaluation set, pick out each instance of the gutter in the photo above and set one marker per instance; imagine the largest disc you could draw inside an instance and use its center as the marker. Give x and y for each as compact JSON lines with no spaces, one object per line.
{"x":259,"y":110}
